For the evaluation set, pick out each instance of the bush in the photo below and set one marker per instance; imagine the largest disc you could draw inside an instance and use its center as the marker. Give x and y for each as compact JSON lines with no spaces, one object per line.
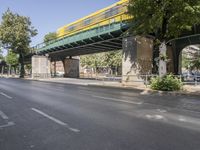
{"x":166,"y":83}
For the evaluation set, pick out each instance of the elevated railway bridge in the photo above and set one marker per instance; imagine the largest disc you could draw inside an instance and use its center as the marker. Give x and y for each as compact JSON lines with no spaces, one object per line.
{"x":104,"y":30}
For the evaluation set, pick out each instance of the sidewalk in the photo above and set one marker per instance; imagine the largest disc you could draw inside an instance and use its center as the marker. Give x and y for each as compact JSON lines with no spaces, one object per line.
{"x":187,"y":89}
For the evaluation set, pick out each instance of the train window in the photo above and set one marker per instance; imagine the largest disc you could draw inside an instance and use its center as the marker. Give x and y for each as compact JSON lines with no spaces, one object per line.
{"x":111,"y":12}
{"x":70,"y":28}
{"x":87,"y":21}
{"x":108,"y":14}
{"x":115,"y":11}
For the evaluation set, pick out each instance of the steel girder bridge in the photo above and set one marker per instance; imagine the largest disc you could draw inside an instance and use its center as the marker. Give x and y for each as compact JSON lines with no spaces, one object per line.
{"x":98,"y":32}
{"x":100,"y":39}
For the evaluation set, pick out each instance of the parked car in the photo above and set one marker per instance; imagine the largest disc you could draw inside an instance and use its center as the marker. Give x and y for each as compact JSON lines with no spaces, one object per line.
{"x":190,"y":76}
{"x":187,"y":76}
{"x":197,"y":76}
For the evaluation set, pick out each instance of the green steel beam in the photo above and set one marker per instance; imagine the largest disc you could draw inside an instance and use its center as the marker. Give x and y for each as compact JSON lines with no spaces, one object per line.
{"x":104,"y":34}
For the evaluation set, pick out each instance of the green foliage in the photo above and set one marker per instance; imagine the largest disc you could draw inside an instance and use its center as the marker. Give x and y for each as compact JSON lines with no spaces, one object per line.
{"x":50,"y":36}
{"x":166,"y":83}
{"x":112,"y":59}
{"x":191,"y":60}
{"x":15,"y":34}
{"x":164,"y":18}
{"x":1,"y":54}
{"x":91,"y":60}
{"x":12,"y":58}
{"x":195,"y":64}
{"x":107,"y":59}
{"x":185,"y":62}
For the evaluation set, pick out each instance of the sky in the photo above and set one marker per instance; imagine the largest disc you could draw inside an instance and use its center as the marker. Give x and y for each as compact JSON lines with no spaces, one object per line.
{"x":48,"y":15}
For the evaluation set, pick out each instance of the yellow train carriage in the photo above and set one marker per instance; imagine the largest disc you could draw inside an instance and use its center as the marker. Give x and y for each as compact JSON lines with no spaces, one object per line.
{"x":111,"y":14}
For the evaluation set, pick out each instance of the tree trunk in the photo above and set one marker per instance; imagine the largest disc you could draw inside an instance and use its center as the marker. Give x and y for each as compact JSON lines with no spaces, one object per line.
{"x":155,"y":58}
{"x":21,"y":61}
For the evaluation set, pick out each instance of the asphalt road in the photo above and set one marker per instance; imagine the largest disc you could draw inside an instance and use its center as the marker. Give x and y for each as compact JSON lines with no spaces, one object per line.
{"x":49,"y":116}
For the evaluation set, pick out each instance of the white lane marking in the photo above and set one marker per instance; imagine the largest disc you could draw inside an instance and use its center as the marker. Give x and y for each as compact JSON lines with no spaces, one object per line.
{"x":7,"y":125}
{"x":55,"y":120}
{"x":3,"y":115}
{"x":117,"y":100}
{"x":182,"y":119}
{"x":3,"y":94}
{"x":85,"y":93}
{"x":156,"y":117}
{"x":161,"y":110}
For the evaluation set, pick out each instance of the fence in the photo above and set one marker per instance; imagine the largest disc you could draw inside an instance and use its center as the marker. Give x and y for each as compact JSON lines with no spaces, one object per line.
{"x":141,"y":79}
{"x":145,"y":79}
{"x":41,"y":75}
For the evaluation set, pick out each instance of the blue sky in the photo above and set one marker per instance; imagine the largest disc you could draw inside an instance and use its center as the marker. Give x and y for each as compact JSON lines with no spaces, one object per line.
{"x":48,"y":15}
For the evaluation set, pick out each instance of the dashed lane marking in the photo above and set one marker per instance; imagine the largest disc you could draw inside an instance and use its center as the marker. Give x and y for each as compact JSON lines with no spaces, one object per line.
{"x":10,"y":123}
{"x":55,"y":120}
{"x":3,"y":115}
{"x":5,"y":95}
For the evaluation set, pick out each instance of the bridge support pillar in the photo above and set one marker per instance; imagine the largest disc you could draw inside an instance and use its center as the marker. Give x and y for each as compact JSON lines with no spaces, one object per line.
{"x":40,"y":67}
{"x":137,"y":60}
{"x":71,"y":67}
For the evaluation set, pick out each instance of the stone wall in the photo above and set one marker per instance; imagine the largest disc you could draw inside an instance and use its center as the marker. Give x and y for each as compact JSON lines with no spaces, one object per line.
{"x":71,"y":67}
{"x":137,"y":59}
{"x":40,"y":67}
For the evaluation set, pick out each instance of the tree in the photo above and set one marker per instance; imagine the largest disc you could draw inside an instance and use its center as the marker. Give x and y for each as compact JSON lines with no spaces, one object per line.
{"x":93,"y":60}
{"x":50,"y":36}
{"x":111,"y":59}
{"x":12,"y":58}
{"x":165,"y":19}
{"x":191,"y":58}
{"x":15,"y":34}
{"x":1,"y":54}
{"x":195,"y":64}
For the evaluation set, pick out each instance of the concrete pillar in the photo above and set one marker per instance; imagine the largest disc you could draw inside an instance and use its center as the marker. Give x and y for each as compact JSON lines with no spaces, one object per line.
{"x":71,"y":67}
{"x":54,"y":68}
{"x":137,"y":59}
{"x":40,"y":67}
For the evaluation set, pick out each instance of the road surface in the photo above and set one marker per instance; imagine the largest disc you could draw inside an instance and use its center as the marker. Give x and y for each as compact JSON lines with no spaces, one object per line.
{"x":50,"y":116}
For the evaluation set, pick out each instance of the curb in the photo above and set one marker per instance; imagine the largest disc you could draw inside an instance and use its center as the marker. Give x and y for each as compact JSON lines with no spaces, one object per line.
{"x":116,"y":87}
{"x":147,"y":91}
